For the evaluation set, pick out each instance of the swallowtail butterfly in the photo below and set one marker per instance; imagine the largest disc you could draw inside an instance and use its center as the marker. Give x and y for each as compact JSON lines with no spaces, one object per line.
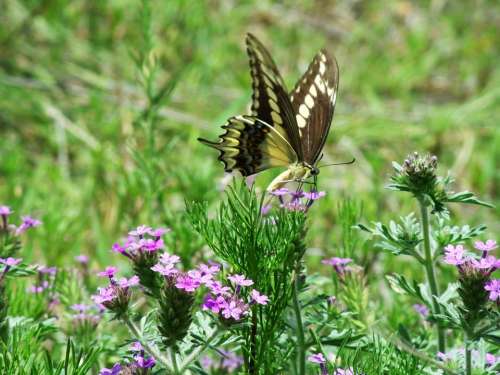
{"x":284,"y":129}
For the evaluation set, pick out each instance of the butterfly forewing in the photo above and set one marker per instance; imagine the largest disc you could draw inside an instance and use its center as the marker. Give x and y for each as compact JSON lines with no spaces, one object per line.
{"x":313,"y":102}
{"x":270,"y":99}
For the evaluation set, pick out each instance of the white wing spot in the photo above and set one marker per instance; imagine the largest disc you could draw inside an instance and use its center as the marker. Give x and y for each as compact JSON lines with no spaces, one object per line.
{"x":322,"y":68}
{"x":276,"y":118}
{"x":313,"y":91}
{"x":319,"y":82}
{"x":301,"y":121}
{"x":304,"y":111}
{"x":309,"y":101}
{"x":334,"y":97}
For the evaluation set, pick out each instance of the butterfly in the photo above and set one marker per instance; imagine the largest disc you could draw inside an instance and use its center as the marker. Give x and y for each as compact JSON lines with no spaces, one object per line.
{"x":284,"y":129}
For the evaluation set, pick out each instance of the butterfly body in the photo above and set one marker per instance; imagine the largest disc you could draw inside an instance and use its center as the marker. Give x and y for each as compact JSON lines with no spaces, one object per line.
{"x":284,"y":129}
{"x":296,"y":172}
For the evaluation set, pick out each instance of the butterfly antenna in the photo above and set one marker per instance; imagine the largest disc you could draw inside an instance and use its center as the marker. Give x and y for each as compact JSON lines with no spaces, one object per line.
{"x":342,"y":163}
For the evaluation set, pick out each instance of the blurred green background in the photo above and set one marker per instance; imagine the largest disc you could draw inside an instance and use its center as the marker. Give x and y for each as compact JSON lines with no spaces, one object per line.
{"x":83,"y":148}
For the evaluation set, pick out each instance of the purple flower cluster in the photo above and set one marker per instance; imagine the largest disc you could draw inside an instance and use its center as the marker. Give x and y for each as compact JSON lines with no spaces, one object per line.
{"x":85,"y":316}
{"x":221,"y":299}
{"x":421,"y":309}
{"x":9,"y":263}
{"x":27,"y":221}
{"x":46,"y":277}
{"x":140,"y":364}
{"x":227,"y":302}
{"x":319,"y":358}
{"x":228,"y":363}
{"x":115,"y":296}
{"x":485,"y":265}
{"x":297,"y":200}
{"x":493,"y":287}
{"x":141,"y":240}
{"x":457,"y":255}
{"x":140,"y":360}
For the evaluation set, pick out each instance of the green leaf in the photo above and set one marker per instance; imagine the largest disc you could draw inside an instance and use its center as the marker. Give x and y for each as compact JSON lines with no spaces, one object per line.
{"x":466,"y":197}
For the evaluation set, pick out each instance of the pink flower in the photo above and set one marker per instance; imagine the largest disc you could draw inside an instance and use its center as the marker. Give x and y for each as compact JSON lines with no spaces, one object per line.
{"x":421,"y":309}
{"x":80,"y":307}
{"x":10,"y":262}
{"x":106,"y":294}
{"x":166,"y":258}
{"x":454,"y":255}
{"x":487,"y":246}
{"x":124,"y":283}
{"x":159,"y":232}
{"x":280,"y":192}
{"x":209,"y":269}
{"x":136,"y":347}
{"x":314,"y":195}
{"x":493,"y":286}
{"x":47,"y":270}
{"x":184,"y":282}
{"x":83,"y":259}
{"x":316,"y":358}
{"x":28,"y":222}
{"x":200,"y":277}
{"x":214,"y":305}
{"x":165,"y":269}
{"x":336,"y":261}
{"x":259,"y":298}
{"x":234,"y":309}
{"x":265,"y":209}
{"x":140,"y":231}
{"x":108,"y":272}
{"x":240,"y":280}
{"x":217,"y":288}
{"x":5,"y":211}
{"x":339,"y":264}
{"x":484,"y":263}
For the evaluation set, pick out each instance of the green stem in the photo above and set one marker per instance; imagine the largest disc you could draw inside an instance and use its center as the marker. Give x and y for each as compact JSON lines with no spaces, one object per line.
{"x":431,"y":276}
{"x":301,"y":348}
{"x":152,"y":351}
{"x":198,"y":351}
{"x":173,"y":357}
{"x":468,"y":355}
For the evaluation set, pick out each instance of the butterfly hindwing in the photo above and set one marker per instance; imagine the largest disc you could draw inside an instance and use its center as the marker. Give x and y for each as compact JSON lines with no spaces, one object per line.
{"x":313,"y":101}
{"x":270,"y":100}
{"x":250,"y":146}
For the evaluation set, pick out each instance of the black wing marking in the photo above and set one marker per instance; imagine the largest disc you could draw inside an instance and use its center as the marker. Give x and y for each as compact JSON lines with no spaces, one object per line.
{"x":270,"y":100}
{"x":250,"y":146}
{"x":313,"y":101}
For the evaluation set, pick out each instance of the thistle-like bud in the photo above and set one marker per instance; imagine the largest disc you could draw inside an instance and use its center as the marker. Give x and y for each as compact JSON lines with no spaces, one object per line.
{"x":420,"y":172}
{"x":417,"y":175}
{"x":472,"y":291}
{"x":142,"y":248}
{"x":175,"y":312}
{"x":116,"y":296}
